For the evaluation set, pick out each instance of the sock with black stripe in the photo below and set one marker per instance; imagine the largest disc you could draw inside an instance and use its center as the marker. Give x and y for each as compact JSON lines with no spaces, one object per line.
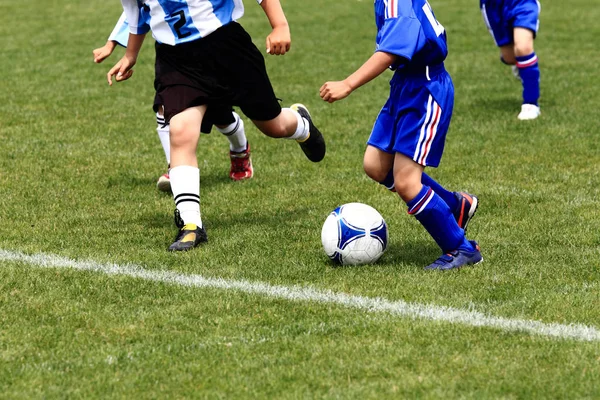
{"x":185,"y":184}
{"x":236,"y":134}
{"x":163,"y":134}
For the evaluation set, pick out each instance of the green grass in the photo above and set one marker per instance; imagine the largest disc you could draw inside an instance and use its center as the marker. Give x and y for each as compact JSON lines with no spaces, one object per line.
{"x":78,"y":164}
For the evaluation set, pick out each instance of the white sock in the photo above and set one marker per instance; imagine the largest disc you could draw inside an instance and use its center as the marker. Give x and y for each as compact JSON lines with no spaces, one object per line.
{"x":163,"y":135}
{"x":302,"y":132}
{"x":185,"y":184}
{"x":235,"y":134}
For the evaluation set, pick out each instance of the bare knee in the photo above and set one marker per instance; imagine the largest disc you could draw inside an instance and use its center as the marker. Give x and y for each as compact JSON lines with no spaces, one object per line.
{"x":523,"y":38}
{"x":507,"y":53}
{"x":374,"y":170}
{"x":523,"y":48}
{"x":404,"y":187}
{"x":181,"y":134}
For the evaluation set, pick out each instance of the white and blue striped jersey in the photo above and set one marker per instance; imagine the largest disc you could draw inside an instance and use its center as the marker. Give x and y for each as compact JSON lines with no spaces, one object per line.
{"x":174,"y":22}
{"x":120,"y":33}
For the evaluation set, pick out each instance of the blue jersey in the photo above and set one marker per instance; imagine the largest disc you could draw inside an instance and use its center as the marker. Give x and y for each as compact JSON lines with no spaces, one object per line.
{"x":174,"y":22}
{"x":408,"y":29}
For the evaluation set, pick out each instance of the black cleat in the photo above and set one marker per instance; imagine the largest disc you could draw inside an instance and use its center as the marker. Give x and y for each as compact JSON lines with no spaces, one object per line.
{"x":188,"y":237}
{"x":177,"y":219}
{"x":467,"y":207}
{"x":314,"y":145}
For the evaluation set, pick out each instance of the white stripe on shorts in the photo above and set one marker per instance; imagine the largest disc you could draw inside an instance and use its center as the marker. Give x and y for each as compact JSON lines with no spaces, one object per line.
{"x":428,"y":131}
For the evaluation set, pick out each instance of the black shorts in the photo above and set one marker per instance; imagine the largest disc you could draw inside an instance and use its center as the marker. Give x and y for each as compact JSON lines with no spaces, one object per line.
{"x":221,"y":70}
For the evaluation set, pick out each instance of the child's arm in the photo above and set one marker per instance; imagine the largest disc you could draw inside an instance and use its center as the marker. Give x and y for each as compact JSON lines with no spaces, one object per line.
{"x":138,"y":28}
{"x":119,"y":35}
{"x":372,"y":68}
{"x":279,"y":40}
{"x":122,"y":69}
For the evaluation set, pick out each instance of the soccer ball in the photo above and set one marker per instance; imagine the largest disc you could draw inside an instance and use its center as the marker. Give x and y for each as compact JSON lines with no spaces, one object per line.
{"x":354,"y":234}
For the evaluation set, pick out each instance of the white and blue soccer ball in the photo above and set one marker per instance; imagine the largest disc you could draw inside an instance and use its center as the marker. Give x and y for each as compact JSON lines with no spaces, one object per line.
{"x":354,"y":234}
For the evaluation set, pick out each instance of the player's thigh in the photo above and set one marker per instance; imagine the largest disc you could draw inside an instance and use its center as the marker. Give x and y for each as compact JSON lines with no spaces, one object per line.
{"x":377,"y":163}
{"x":185,"y":126}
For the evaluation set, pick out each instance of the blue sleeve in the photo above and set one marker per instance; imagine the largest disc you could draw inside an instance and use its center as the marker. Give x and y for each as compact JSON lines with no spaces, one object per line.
{"x":401,"y":36}
{"x":120,"y":33}
{"x":138,"y":24}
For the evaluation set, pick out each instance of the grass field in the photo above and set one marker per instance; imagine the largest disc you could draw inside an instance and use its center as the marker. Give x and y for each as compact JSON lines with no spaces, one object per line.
{"x":93,"y":306}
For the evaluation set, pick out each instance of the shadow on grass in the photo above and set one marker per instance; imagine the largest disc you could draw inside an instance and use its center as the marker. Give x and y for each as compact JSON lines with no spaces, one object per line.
{"x":131,"y":180}
{"x":411,"y":255}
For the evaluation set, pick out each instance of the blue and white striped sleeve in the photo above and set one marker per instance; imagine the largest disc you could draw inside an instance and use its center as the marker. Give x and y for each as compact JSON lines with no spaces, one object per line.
{"x":120,"y":33}
{"x":137,"y":23}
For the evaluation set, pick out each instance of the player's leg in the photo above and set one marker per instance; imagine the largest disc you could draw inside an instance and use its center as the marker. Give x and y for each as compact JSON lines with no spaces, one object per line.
{"x":498,"y":24}
{"x":295,"y":123}
{"x":231,"y":126}
{"x":435,"y":216}
{"x":164,"y":183}
{"x":524,"y":17}
{"x":255,"y":96}
{"x":463,"y":205}
{"x":185,"y":178}
{"x":418,"y":141}
{"x":422,"y":201}
{"x":235,"y":133}
{"x":239,"y":149}
{"x":378,"y":164}
{"x":507,"y":54}
{"x":529,"y":71}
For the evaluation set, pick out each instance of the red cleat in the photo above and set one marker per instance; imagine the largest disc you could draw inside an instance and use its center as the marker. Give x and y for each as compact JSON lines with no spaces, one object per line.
{"x":164,"y":183}
{"x":241,"y":165}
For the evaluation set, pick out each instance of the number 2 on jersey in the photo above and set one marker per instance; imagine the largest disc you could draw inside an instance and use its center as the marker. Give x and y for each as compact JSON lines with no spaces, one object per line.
{"x":181,"y":23}
{"x":437,"y":27}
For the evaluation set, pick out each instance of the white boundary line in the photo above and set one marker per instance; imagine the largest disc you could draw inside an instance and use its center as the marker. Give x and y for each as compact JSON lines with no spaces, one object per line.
{"x":298,"y":293}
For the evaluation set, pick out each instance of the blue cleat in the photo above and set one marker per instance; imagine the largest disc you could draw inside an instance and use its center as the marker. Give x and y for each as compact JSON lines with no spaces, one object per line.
{"x":457,"y":259}
{"x":467,"y":207}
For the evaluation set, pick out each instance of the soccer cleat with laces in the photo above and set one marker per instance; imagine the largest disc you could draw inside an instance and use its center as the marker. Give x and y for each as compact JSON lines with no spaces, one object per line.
{"x":164,"y":183}
{"x":241,"y":165}
{"x":457,"y":259}
{"x":529,"y":111}
{"x":314,"y":145}
{"x":467,"y":207}
{"x":188,"y":237}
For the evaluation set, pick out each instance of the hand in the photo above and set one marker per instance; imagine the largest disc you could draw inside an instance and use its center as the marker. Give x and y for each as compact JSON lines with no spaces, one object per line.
{"x":122,"y":70}
{"x":334,"y":91}
{"x":279,"y":41}
{"x":101,"y":53}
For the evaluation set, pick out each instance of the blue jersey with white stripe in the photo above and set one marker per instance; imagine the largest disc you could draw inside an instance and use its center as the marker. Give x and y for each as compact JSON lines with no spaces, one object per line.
{"x":179,"y":21}
{"x":408,"y":28}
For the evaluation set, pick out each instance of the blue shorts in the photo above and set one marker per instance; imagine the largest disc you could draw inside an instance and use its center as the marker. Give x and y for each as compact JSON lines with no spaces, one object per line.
{"x":416,"y":117}
{"x":501,"y":17}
